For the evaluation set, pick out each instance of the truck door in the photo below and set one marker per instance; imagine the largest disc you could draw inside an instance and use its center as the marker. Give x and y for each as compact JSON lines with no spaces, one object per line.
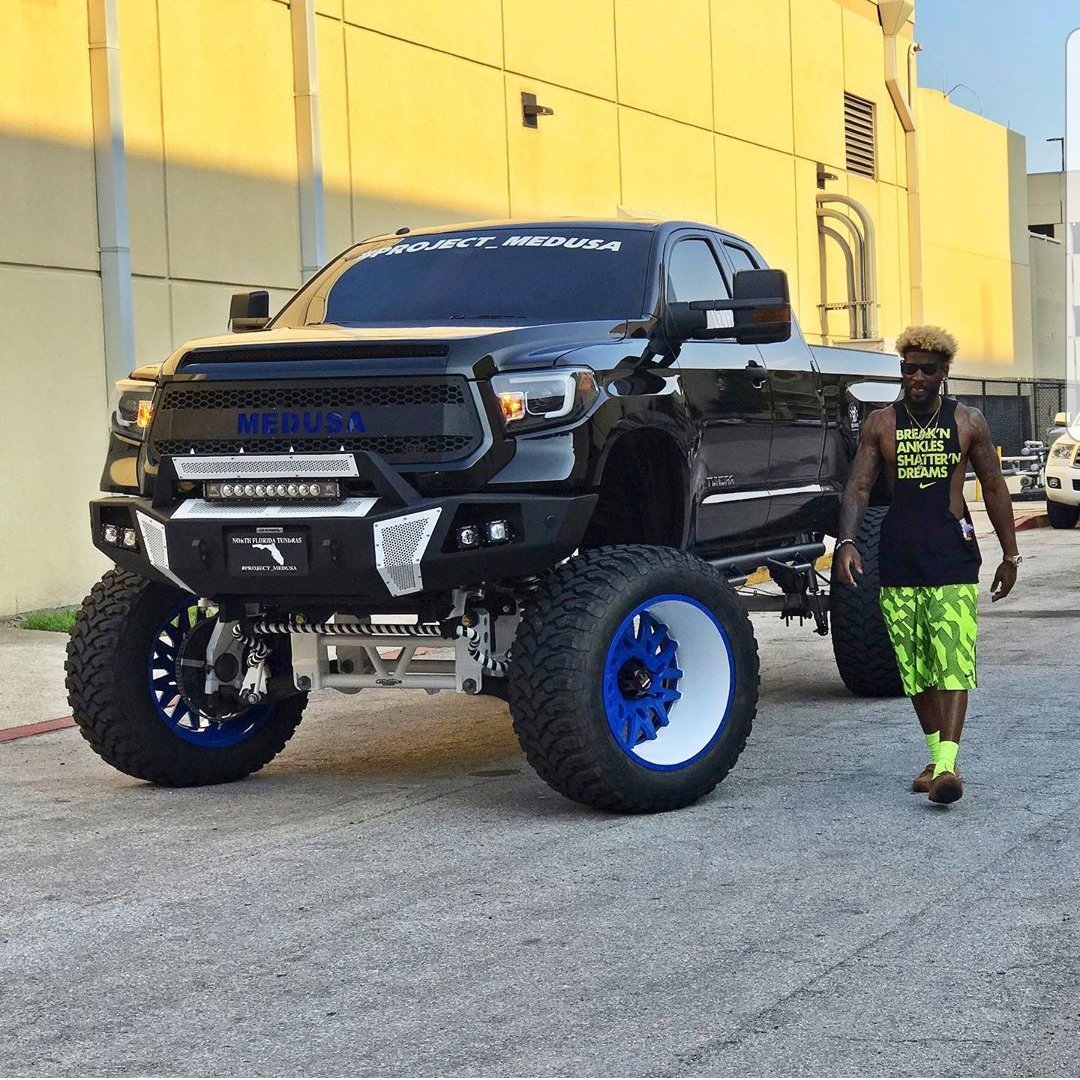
{"x":798,"y":434}
{"x":726,"y":387}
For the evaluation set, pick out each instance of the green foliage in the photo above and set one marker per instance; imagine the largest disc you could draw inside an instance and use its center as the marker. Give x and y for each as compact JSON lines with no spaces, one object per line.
{"x":61,"y":620}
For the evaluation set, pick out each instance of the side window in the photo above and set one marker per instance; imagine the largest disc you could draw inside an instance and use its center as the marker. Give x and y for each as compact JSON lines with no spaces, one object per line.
{"x":694,"y":274}
{"x":741,"y":259}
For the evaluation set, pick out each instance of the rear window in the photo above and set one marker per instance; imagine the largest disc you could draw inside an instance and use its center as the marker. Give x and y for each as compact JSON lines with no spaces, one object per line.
{"x":502,"y":274}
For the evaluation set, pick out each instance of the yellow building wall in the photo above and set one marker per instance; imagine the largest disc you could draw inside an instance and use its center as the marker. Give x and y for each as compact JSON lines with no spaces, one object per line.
{"x":53,"y":406}
{"x":973,"y":181}
{"x":717,"y":110}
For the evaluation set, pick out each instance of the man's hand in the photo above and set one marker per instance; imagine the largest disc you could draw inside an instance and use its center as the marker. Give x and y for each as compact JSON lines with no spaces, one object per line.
{"x":1004,"y":580}
{"x":847,"y":559}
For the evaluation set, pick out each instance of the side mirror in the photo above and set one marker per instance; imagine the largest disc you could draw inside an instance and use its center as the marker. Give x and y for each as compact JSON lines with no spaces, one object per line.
{"x":759,"y":313}
{"x":766,"y":316}
{"x":249,"y":311}
{"x":1061,"y":419}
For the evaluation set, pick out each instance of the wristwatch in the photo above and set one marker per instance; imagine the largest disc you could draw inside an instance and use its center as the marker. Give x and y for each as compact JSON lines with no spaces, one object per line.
{"x":1016,"y":560}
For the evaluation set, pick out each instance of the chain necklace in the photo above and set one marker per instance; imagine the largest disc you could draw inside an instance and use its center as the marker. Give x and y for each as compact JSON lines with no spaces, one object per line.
{"x":928,"y":426}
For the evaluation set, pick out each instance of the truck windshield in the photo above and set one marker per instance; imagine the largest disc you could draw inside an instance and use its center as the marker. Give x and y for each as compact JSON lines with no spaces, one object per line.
{"x":517,"y":275}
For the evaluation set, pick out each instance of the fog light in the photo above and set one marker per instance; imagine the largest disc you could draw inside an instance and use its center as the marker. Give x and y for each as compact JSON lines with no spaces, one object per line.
{"x":111,"y":534}
{"x":468,"y":536}
{"x":498,"y":532}
{"x":130,"y":540}
{"x":1053,"y":481}
{"x":249,"y":490}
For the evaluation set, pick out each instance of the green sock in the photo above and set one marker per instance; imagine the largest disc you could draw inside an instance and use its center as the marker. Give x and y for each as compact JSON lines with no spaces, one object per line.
{"x":946,"y":758}
{"x":932,"y":741}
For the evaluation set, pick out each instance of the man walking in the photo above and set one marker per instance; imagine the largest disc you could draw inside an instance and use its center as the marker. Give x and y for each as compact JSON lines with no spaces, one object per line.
{"x":929,"y":555}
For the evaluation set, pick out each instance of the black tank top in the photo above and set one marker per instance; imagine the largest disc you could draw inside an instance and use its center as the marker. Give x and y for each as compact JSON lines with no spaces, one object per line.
{"x":922,"y":540}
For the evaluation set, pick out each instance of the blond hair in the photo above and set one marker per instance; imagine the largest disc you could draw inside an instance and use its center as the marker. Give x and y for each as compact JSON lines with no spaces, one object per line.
{"x":928,"y":339}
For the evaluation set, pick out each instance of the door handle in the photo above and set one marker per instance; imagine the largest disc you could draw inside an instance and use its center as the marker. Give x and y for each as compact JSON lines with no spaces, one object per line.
{"x":757,"y":373}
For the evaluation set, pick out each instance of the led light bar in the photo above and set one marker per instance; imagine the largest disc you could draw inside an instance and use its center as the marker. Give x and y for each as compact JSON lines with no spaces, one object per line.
{"x":272,"y":491}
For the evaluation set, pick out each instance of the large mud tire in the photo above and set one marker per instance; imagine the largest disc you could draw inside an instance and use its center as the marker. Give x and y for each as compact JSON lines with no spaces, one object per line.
{"x":118,"y":705}
{"x":601,"y":627}
{"x":864,"y":654}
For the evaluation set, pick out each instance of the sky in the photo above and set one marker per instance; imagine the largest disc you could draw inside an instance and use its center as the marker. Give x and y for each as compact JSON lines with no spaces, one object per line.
{"x":1010,"y":57}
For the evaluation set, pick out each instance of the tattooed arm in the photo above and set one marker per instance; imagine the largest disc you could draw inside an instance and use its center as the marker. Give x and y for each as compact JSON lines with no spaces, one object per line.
{"x":864,"y":471}
{"x":984,"y":461}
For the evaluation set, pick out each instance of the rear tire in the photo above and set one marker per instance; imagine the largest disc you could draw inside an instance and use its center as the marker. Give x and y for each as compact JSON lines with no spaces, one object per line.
{"x":1062,"y":516}
{"x":864,"y":654}
{"x":634,"y":679}
{"x":119,"y":665}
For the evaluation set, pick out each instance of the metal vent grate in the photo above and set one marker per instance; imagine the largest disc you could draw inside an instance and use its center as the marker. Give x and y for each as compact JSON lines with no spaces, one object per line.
{"x":859,"y":136}
{"x":400,"y":544}
{"x":157,"y":547}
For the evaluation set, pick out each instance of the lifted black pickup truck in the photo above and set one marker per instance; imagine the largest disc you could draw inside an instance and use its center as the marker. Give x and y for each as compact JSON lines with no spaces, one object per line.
{"x":552,"y":449}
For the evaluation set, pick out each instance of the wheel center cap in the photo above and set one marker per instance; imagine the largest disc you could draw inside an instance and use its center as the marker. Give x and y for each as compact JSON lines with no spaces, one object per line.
{"x":635,"y":680}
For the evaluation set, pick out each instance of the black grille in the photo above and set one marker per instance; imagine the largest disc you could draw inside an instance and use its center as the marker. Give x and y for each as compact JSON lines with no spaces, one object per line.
{"x":414,"y":447}
{"x":357,"y":396}
{"x":419,"y":419}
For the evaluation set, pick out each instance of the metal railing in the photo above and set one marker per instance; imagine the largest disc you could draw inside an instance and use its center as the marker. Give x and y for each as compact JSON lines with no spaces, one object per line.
{"x":1016,"y":409}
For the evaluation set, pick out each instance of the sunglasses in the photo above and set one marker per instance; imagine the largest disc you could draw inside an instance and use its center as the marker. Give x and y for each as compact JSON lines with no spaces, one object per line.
{"x":909,"y":367}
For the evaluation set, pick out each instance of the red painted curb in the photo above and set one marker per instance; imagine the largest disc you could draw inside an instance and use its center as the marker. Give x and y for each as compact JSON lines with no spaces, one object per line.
{"x":26,"y":730}
{"x":1036,"y":521}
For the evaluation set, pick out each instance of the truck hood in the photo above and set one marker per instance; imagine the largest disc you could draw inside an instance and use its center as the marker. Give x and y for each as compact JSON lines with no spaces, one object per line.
{"x":327,"y":351}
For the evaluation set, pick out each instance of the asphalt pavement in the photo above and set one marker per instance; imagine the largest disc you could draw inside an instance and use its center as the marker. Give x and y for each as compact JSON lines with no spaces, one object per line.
{"x":399,"y":894}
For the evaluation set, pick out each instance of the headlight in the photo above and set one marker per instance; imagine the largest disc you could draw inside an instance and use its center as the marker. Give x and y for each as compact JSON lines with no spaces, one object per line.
{"x":134,"y":407}
{"x":1063,"y":450}
{"x":534,"y":399}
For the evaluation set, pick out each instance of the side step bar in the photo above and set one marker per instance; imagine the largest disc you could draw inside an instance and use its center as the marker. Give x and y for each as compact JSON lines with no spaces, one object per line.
{"x":737,"y":568}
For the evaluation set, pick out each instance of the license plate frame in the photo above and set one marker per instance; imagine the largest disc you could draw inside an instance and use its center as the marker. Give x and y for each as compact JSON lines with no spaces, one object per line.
{"x":267,"y":551}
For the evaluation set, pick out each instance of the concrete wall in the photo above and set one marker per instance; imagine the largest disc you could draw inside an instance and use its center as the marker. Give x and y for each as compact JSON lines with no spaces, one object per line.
{"x":719,"y":110}
{"x":1046,"y":200}
{"x":1048,"y":307}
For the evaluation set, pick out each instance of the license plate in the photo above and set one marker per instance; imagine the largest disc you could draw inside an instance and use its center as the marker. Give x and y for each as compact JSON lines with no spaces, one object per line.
{"x":267,"y":552}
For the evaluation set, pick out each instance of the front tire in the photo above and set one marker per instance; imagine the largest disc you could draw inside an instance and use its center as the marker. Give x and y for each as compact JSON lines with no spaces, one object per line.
{"x":124,"y":671}
{"x":864,"y":654}
{"x":634,"y":681}
{"x":1062,"y":516}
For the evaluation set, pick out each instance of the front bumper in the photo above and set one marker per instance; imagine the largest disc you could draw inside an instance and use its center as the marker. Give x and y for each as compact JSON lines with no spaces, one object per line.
{"x":367,"y":550}
{"x":1063,"y":484}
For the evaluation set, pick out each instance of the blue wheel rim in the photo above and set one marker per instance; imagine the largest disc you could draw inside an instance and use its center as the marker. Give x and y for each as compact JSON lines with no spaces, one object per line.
{"x":162,"y":683}
{"x":668,"y":682}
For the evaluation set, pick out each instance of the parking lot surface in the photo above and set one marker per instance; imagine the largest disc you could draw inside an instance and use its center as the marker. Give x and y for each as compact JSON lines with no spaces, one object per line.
{"x":399,"y":894}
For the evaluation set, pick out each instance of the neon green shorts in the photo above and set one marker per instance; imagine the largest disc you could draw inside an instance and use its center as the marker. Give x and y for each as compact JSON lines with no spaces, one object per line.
{"x":933,"y":630}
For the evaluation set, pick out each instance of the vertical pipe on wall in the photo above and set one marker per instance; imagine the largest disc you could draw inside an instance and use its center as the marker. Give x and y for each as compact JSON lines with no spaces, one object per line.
{"x":849,"y":260}
{"x":894,"y":15}
{"x":308,"y":141}
{"x":110,"y":169}
{"x":870,"y":293}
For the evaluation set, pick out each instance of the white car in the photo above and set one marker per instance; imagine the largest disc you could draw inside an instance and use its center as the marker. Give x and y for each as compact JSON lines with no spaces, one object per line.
{"x":1063,"y":479}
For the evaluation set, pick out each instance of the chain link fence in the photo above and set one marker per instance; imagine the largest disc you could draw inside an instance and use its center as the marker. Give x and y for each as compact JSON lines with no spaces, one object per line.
{"x":1015,"y":409}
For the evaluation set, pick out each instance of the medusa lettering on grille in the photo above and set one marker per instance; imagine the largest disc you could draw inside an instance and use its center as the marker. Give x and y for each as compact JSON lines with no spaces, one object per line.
{"x":399,"y":547}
